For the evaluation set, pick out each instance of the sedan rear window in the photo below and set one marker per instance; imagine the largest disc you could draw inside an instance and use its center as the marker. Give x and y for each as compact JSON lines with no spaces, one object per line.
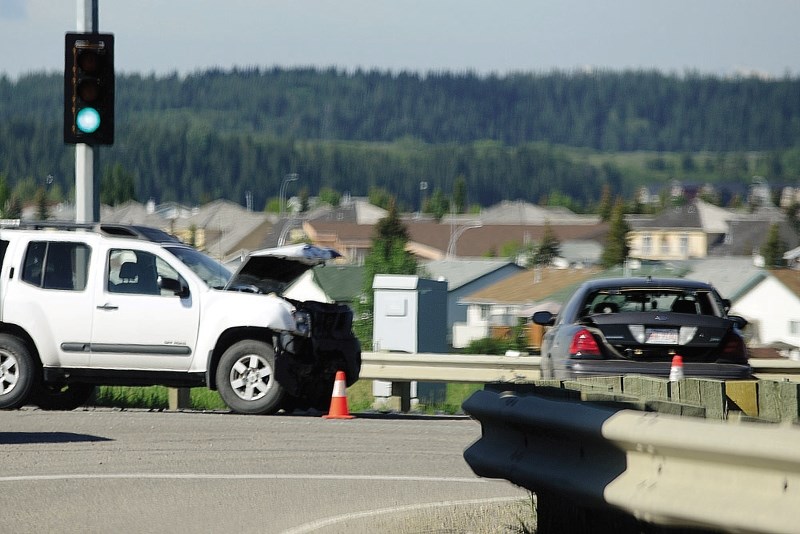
{"x":617,"y":300}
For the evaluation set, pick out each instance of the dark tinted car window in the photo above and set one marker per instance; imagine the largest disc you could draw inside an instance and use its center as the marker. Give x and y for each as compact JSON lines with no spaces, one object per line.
{"x":56,"y":265}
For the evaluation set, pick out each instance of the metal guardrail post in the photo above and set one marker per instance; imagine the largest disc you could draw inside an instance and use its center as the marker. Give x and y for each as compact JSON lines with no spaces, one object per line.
{"x":179,"y":399}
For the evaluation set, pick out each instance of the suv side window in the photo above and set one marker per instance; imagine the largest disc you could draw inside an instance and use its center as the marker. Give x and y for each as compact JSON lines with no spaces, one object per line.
{"x":138,"y":272}
{"x":56,"y":265}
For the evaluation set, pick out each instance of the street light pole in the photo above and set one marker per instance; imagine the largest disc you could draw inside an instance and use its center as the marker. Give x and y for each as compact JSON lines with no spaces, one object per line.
{"x":451,"y":245}
{"x":282,"y":191}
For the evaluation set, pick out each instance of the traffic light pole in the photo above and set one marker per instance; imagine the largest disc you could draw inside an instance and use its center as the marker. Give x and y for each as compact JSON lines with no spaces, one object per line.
{"x":87,"y":201}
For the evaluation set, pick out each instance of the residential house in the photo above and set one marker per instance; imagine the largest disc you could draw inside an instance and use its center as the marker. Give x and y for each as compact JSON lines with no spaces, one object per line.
{"x":465,"y":276}
{"x":771,"y":302}
{"x":699,"y":229}
{"x":500,"y":306}
{"x":221,"y":228}
{"x":677,"y":233}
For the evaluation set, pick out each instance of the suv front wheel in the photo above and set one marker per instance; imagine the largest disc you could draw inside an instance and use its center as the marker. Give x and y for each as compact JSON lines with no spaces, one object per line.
{"x":246,"y":378}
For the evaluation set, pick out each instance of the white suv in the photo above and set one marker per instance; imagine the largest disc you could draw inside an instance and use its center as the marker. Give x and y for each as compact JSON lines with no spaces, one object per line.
{"x":108,"y":304}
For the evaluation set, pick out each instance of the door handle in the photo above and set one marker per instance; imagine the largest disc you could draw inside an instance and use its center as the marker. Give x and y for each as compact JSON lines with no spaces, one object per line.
{"x":108,"y":306}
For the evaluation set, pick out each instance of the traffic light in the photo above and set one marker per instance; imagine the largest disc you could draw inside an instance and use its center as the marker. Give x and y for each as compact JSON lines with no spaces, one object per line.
{"x":89,"y":88}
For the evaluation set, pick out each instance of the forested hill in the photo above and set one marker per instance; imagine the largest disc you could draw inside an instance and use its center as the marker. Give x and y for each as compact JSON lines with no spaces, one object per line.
{"x":242,"y":125}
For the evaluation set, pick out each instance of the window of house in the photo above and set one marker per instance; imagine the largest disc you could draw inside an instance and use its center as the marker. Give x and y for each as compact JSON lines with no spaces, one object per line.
{"x":684,"y":245}
{"x":647,"y":244}
{"x":794,"y":327}
{"x":664,"y":245}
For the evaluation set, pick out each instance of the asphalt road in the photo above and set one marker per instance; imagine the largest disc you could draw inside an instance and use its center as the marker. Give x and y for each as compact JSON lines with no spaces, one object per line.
{"x":137,"y":471}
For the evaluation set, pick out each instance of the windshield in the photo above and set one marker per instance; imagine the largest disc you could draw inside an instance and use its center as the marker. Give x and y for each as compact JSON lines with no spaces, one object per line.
{"x":213,"y":273}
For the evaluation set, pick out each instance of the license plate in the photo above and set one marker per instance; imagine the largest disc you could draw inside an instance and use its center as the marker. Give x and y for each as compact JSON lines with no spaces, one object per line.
{"x":661,"y":336}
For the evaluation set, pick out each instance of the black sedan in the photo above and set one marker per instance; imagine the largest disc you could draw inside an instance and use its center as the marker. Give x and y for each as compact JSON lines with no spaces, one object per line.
{"x":622,"y":326}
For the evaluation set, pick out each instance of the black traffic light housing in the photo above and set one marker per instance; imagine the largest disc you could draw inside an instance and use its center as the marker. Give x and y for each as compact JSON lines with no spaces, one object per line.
{"x":89,"y":88}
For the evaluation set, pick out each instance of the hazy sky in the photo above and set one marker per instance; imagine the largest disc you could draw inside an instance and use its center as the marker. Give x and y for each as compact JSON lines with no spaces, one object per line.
{"x":487,"y":36}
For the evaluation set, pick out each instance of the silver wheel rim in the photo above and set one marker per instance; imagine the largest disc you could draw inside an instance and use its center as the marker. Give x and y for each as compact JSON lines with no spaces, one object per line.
{"x":250,"y":377}
{"x":9,"y":373}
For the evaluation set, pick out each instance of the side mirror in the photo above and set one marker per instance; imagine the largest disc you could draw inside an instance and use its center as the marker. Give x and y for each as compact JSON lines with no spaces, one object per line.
{"x":739,"y":321}
{"x":178,"y":287}
{"x":544,"y":318}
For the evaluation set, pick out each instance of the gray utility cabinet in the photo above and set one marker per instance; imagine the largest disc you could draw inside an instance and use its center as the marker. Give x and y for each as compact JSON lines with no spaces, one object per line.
{"x":410,"y":314}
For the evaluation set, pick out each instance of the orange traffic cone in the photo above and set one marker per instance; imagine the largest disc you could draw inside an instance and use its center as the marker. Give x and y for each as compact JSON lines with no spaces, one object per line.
{"x":338,"y":408}
{"x":676,"y":371}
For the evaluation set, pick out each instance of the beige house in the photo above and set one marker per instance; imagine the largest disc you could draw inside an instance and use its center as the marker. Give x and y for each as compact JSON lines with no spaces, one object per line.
{"x":678,"y":233}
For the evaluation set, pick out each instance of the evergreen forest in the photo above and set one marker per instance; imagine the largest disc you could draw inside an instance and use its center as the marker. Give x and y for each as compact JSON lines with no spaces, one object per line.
{"x":560,"y":138}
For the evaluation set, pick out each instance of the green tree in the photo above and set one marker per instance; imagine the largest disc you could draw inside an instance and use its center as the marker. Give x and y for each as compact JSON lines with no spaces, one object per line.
{"x":117,"y":186}
{"x":304,"y":200}
{"x":42,"y":208}
{"x":460,"y":194}
{"x":773,"y":248}
{"x":605,"y":207}
{"x":380,"y":197}
{"x":437,"y":205}
{"x":616,"y":247}
{"x":548,"y":249}
{"x":331,"y":196}
{"x":5,"y":196}
{"x":388,"y":255}
{"x":273,"y":205}
{"x":14,"y":208}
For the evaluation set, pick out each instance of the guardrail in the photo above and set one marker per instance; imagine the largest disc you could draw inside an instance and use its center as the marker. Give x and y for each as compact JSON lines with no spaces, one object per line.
{"x":601,"y":469}
{"x":401,"y":368}
{"x":449,"y":367}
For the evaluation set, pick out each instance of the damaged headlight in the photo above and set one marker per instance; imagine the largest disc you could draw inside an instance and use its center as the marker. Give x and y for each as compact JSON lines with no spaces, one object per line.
{"x":302,"y":323}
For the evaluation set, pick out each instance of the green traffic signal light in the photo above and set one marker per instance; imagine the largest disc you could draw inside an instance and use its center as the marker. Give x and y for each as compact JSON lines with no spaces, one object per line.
{"x":89,"y":88}
{"x":87,"y":120}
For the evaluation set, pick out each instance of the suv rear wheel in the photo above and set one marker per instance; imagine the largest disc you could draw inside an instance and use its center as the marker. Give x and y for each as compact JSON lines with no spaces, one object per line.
{"x":17,"y":372}
{"x":246,"y":378}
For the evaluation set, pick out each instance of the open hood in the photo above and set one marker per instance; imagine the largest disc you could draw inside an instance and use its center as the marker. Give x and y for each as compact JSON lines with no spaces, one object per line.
{"x":272,"y":270}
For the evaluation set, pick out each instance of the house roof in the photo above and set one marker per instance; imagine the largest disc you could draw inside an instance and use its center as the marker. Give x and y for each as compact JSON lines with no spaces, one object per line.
{"x":788,"y":277}
{"x":685,"y":217}
{"x":728,"y":274}
{"x":342,"y":283}
{"x":530,"y":286}
{"x":459,"y":272}
{"x":472,"y":243}
{"x":520,"y":212}
{"x":747,"y":236}
{"x":353,"y":210}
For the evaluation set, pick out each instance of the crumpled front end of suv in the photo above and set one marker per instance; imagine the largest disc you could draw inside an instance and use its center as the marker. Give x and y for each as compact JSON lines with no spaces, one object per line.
{"x":308,"y":359}
{"x":322,"y":340}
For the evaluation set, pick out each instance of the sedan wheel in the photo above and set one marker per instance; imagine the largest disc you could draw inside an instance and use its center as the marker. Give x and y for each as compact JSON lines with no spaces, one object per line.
{"x":246,"y":378}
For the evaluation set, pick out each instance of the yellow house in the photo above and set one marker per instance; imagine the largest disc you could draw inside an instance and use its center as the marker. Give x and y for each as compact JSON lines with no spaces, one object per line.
{"x":678,"y":233}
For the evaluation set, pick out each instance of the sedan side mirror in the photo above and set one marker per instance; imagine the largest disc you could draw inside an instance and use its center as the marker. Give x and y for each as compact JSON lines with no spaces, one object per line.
{"x":739,"y":321}
{"x":544,"y":318}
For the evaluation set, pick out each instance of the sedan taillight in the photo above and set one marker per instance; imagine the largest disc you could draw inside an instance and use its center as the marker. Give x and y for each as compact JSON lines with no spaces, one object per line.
{"x":733,"y":348}
{"x":584,"y":344}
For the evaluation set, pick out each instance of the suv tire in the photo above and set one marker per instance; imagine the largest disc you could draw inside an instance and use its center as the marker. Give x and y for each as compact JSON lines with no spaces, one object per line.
{"x":17,"y":372}
{"x":246,"y":378}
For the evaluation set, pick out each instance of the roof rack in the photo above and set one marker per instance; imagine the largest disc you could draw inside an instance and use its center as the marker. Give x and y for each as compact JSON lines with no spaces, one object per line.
{"x":112,"y":229}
